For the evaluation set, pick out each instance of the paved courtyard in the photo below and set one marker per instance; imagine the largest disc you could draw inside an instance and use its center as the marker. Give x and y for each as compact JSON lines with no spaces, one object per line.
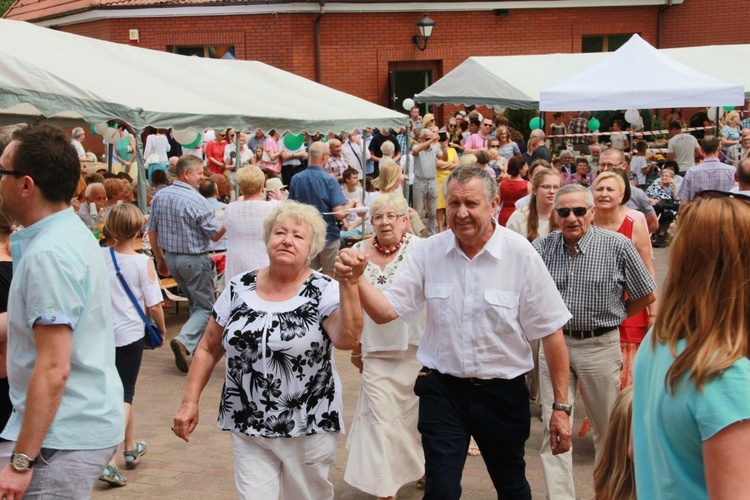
{"x":203,"y":468}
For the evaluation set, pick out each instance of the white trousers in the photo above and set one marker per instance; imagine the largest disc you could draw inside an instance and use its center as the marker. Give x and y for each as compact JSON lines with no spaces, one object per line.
{"x":273,"y":468}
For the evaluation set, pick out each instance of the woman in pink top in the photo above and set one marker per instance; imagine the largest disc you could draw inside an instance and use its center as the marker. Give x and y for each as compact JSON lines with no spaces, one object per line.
{"x":271,"y":153}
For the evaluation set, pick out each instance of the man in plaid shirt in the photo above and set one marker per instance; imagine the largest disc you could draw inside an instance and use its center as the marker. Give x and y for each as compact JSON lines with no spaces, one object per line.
{"x":592,"y":268}
{"x":580,"y":125}
{"x":711,"y":174}
{"x":337,"y":163}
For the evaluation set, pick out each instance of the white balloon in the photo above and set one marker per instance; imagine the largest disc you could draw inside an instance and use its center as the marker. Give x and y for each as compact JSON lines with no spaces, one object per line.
{"x":100,"y":128}
{"x":711,"y":112}
{"x":111,"y":135}
{"x":631,"y":115}
{"x":186,"y":136}
{"x":408,"y":104}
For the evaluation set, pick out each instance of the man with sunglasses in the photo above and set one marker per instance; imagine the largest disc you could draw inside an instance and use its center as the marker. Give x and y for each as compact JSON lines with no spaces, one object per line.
{"x":592,"y":268}
{"x":68,"y":416}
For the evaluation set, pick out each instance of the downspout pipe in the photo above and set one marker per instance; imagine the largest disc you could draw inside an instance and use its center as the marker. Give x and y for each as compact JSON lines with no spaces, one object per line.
{"x":318,"y":62}
{"x":660,"y":20}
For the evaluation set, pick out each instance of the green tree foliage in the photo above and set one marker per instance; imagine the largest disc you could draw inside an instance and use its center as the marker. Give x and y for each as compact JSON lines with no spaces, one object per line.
{"x":5,"y":5}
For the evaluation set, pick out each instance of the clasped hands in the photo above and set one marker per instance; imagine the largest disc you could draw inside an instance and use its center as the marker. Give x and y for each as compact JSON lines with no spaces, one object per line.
{"x":350,"y":265}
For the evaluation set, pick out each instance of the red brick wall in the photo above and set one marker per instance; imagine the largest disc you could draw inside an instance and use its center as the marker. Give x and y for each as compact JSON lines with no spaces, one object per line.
{"x":357,"y":49}
{"x":697,"y":22}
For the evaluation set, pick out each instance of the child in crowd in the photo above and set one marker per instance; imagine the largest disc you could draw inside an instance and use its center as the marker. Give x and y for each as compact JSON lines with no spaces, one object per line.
{"x":638,"y":164}
{"x":124,"y":223}
{"x":614,"y":475}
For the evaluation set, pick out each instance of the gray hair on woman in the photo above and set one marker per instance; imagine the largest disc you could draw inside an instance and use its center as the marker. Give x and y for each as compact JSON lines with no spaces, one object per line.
{"x":466,"y":173}
{"x":393,"y":199}
{"x":388,"y":149}
{"x":303,"y":213}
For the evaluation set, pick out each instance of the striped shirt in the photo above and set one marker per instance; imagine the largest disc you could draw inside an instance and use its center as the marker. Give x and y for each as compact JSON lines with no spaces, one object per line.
{"x":711,"y":174}
{"x":594,"y":281}
{"x":184,"y":220}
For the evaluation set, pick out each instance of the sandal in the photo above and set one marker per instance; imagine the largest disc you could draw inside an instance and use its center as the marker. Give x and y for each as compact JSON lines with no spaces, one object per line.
{"x":132,"y":457}
{"x":112,"y":476}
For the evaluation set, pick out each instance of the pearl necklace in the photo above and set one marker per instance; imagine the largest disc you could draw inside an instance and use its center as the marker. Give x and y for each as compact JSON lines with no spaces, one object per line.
{"x":386,"y":251}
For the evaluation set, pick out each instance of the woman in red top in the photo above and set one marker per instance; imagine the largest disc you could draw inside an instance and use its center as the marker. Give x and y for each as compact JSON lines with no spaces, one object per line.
{"x":513,"y":188}
{"x":612,"y":214}
{"x":215,"y":152}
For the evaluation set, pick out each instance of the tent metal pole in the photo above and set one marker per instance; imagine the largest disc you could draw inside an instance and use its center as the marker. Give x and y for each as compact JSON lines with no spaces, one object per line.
{"x":142,"y":172}
{"x":110,"y":153}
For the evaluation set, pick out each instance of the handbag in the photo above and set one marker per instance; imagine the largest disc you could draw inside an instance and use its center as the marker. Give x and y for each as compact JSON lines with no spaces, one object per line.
{"x":152,"y":335}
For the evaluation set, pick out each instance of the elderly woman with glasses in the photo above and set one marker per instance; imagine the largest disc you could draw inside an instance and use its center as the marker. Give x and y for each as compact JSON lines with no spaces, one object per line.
{"x":282,"y":396}
{"x":385,"y":449}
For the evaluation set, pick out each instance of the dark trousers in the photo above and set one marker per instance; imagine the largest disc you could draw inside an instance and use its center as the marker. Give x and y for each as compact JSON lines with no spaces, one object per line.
{"x":495,"y":412}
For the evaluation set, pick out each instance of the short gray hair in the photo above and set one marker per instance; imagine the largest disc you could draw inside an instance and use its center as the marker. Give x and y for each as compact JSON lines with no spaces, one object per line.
{"x":303,"y":213}
{"x":574,"y":188}
{"x":388,"y":149}
{"x":539,"y":133}
{"x":90,"y":188}
{"x":466,"y":173}
{"x":187,"y":163}
{"x":77,"y":132}
{"x":393,"y":199}
{"x":614,"y":152}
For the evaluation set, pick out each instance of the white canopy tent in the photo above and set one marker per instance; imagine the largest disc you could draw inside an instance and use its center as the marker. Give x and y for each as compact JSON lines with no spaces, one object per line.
{"x":58,"y":72}
{"x":505,"y":81}
{"x":56,"y":75}
{"x":516,"y":81}
{"x":637,"y":76}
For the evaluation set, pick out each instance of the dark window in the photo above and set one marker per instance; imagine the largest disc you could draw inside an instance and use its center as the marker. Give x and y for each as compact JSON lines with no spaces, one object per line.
{"x":210,"y":51}
{"x":603,"y":43}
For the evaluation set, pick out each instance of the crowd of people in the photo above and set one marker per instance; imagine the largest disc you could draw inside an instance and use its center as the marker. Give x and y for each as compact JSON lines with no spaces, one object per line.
{"x":531,"y":281}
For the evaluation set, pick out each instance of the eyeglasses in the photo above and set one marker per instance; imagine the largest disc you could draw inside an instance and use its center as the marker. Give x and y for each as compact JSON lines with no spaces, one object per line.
{"x":549,"y":187}
{"x":577,"y":211}
{"x":487,"y":124}
{"x":378,"y":219}
{"x":11,"y":172}
{"x":451,"y":125}
{"x":712,"y":194}
{"x":494,"y":145}
{"x":610,"y":165}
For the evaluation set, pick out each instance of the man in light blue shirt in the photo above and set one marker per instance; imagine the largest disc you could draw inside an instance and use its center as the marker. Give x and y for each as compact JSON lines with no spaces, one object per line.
{"x":68,"y":412}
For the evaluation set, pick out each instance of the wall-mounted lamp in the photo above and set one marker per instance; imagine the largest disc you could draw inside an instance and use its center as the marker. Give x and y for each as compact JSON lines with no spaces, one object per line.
{"x":425,"y":26}
{"x":134,"y":36}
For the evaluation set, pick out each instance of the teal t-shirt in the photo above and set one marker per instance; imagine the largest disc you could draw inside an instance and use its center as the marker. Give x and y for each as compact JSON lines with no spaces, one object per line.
{"x":60,"y":277}
{"x":669,"y":430}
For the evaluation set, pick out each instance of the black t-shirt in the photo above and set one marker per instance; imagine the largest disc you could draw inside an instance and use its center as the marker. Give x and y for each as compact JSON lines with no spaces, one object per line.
{"x":6,"y":407}
{"x":374,"y":148}
{"x":698,"y":120}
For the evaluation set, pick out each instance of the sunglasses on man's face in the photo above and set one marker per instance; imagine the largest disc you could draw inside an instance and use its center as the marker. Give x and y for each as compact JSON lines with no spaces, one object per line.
{"x":577,"y":211}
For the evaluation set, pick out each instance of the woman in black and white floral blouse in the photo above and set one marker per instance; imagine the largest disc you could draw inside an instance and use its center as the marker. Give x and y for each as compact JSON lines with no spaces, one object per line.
{"x":277,"y":327}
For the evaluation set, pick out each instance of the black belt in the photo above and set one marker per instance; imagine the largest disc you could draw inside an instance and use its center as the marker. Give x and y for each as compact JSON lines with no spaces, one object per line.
{"x":479,"y":382}
{"x":589,"y":334}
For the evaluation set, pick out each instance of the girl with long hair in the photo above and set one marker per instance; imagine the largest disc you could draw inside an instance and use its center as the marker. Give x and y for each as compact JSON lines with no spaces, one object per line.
{"x":691,"y":411}
{"x":614,"y":475}
{"x":535,"y":220}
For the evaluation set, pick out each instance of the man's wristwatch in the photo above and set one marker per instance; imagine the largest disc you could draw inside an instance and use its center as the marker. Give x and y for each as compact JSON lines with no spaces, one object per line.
{"x":566,"y":408}
{"x":21,"y":462}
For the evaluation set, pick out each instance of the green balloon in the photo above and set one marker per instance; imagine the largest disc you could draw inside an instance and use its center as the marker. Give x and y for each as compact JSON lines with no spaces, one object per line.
{"x":594,"y":124}
{"x":728,"y":108}
{"x":193,"y":144}
{"x":93,"y":131}
{"x":293,"y":141}
{"x":536,"y":123}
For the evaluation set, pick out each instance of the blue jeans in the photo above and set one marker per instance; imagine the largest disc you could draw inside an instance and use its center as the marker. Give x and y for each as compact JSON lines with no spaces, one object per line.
{"x":67,"y":473}
{"x":496,"y":413}
{"x":194,"y":275}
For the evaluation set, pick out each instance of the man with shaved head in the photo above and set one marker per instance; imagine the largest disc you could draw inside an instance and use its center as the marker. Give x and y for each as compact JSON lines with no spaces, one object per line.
{"x":316,"y":187}
{"x":337,"y":163}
